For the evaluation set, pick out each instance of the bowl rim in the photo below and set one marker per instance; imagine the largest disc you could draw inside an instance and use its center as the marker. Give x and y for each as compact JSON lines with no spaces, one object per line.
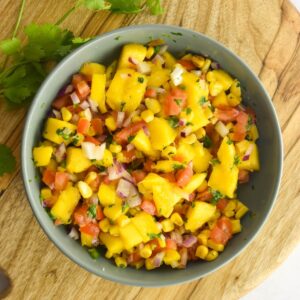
{"x":25,"y":163}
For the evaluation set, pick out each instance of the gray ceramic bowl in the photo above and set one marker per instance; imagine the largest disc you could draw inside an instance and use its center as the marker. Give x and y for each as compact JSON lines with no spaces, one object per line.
{"x":259,"y":194}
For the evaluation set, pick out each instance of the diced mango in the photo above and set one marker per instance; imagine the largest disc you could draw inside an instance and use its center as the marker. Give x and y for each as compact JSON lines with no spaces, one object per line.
{"x":194,"y":183}
{"x":235,"y":88}
{"x":220,"y":100}
{"x":126,"y":90}
{"x":170,"y":60}
{"x":98,"y":91}
{"x":136,"y":52}
{"x":107,"y":194}
{"x":201,"y":158}
{"x":130,"y":236}
{"x":107,"y":159}
{"x":253,"y":133}
{"x":236,"y":226}
{"x":149,"y":181}
{"x":167,"y":166}
{"x":65,"y":204}
{"x":161,"y":133}
{"x":89,"y":69}
{"x":252,"y":164}
{"x":42,"y":155}
{"x":113,"y":212}
{"x":186,"y":151}
{"x":234,"y":100}
{"x":112,"y":243}
{"x":171,"y":256}
{"x":76,"y":160}
{"x":158,"y":77}
{"x":198,"y":215}
{"x":53,"y":126}
{"x":86,"y":239}
{"x":226,"y":152}
{"x":220,"y":76}
{"x":142,"y":142}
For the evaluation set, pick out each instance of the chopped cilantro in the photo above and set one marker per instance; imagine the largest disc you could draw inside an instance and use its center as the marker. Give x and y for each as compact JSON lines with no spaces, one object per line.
{"x":189,"y":124}
{"x":122,"y":106}
{"x":153,"y":235}
{"x":178,"y":167}
{"x":63,"y":164}
{"x":130,"y":138}
{"x":173,"y":121}
{"x":229,"y":142}
{"x":176,"y":33}
{"x":178,"y":101}
{"x":188,"y":110}
{"x":75,"y":139}
{"x":117,"y":38}
{"x":238,"y":84}
{"x":140,"y":79}
{"x":182,"y":87}
{"x":193,"y":204}
{"x":207,"y":143}
{"x":92,"y":211}
{"x":249,"y":123}
{"x":216,"y":196}
{"x":65,"y":133}
{"x":214,"y":161}
{"x":237,"y":160}
{"x":101,"y":168}
{"x":156,"y":49}
{"x":109,"y":139}
{"x":94,"y":253}
{"x":202,"y":100}
{"x":124,"y":207}
{"x":7,"y":160}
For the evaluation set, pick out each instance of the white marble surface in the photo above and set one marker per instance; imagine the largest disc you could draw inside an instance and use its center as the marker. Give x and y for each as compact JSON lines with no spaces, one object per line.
{"x":282,"y":284}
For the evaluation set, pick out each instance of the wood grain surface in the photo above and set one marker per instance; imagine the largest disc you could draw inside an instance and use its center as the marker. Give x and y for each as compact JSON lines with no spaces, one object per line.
{"x":266,"y":35}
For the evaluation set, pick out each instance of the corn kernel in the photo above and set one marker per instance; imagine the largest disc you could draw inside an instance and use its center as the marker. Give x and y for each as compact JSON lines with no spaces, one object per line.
{"x":212,"y":255}
{"x":198,"y":61}
{"x":91,"y":131}
{"x":191,"y":139}
{"x":114,"y":230}
{"x":108,"y":254}
{"x":229,"y":213}
{"x":139,"y":264}
{"x":171,"y":256}
{"x":45,"y":193}
{"x":121,"y":158}
{"x":133,"y":211}
{"x":104,"y":225}
{"x":66,"y":114}
{"x":136,"y":119}
{"x":176,"y":219}
{"x":202,"y":251}
{"x":150,"y":52}
{"x":123,"y":220}
{"x":146,"y":251}
{"x":241,"y":212}
{"x":215,"y":88}
{"x":147,"y":115}
{"x":153,"y":105}
{"x":115,"y":148}
{"x":215,"y":246}
{"x":167,"y":225}
{"x":90,"y":177}
{"x":202,"y":239}
{"x":162,"y":242}
{"x":200,"y":133}
{"x":61,"y":169}
{"x":149,"y":264}
{"x":120,"y":262}
{"x":110,"y":123}
{"x":216,"y":215}
{"x":168,"y":152}
{"x":181,"y":230}
{"x":236,"y":226}
{"x":84,"y":189}
{"x":77,"y":139}
{"x":206,"y":65}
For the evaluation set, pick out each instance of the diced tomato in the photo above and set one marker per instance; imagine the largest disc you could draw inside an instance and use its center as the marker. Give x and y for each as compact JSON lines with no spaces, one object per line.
{"x":192,"y":196}
{"x":184,"y":176}
{"x":170,"y":244}
{"x":175,"y":100}
{"x":222,"y":231}
{"x":83,"y":89}
{"x":182,"y":209}
{"x":204,"y":196}
{"x":156,"y":246}
{"x":83,"y":126}
{"x":169,"y":176}
{"x":62,"y":101}
{"x":148,"y":165}
{"x":91,"y":140}
{"x":74,"y":109}
{"x":122,"y":136}
{"x":80,"y":215}
{"x":150,"y":93}
{"x":149,"y":207}
{"x":91,"y":229}
{"x":77,"y":78}
{"x":178,"y":157}
{"x":226,"y":114}
{"x":49,"y":178}
{"x":94,"y":185}
{"x":97,"y":125}
{"x":61,"y":181}
{"x":99,"y":213}
{"x":134,"y":257}
{"x":222,"y":203}
{"x":58,"y":222}
{"x":243,"y":176}
{"x":138,"y":175}
{"x":240,"y":128}
{"x":106,"y":180}
{"x":129,"y":155}
{"x":187,"y":64}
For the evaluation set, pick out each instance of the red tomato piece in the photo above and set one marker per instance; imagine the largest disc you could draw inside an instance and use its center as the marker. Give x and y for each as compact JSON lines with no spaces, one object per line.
{"x":178,"y":157}
{"x":222,"y":231}
{"x":243,"y":176}
{"x":49,"y":178}
{"x":129,"y":155}
{"x":106,"y":180}
{"x":80,"y":215}
{"x":83,"y":126}
{"x":149,"y":207}
{"x":99,"y":213}
{"x":204,"y":196}
{"x":91,"y":229}
{"x":122,"y":136}
{"x":83,"y":89}
{"x":134,"y":257}
{"x":184,"y":176}
{"x":61,"y":181}
{"x":170,"y":244}
{"x":94,"y":185}
{"x":150,"y":93}
{"x":92,"y":140}
{"x":222,"y":203}
{"x":138,"y":175}
{"x":148,"y":165}
{"x":97,"y":125}
{"x":175,"y":100}
{"x":77,"y":78}
{"x":62,"y":101}
{"x":168,"y":176}
{"x":240,"y":128}
{"x":226,"y":114}
{"x":187,"y":64}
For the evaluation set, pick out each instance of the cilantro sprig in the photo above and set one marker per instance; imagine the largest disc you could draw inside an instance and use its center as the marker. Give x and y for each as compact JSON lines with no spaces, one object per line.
{"x":7,"y":160}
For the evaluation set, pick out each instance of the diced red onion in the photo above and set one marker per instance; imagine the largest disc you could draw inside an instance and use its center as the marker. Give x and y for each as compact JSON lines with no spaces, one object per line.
{"x":157,"y":259}
{"x":134,"y":199}
{"x":221,"y":129}
{"x":128,"y":119}
{"x":214,"y":65}
{"x":159,"y":90}
{"x":182,"y":122}
{"x":158,"y":59}
{"x":99,"y":151}
{"x":146,"y":130}
{"x":60,"y":152}
{"x":189,"y":241}
{"x":163,"y":49}
{"x":248,"y":152}
{"x":92,"y":151}
{"x":44,"y":203}
{"x":176,"y":75}
{"x":183,"y":257}
{"x":133,"y":60}
{"x":120,"y":118}
{"x":88,"y":114}
{"x":176,"y":237}
{"x":93,"y":105}
{"x":93,"y":199}
{"x":95,"y":242}
{"x":73,"y":234}
{"x":84,"y":105}
{"x":56,"y":113}
{"x":127,"y":176}
{"x":115,"y":171}
{"x":186,"y":131}
{"x":124,"y":188}
{"x":75,"y":98}
{"x":144,"y":68}
{"x":69,"y":89}
{"x":129,"y":147}
{"x":197,"y":72}
{"x":102,"y":138}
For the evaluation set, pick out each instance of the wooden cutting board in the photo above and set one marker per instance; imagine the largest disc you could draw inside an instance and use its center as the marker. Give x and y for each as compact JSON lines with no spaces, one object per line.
{"x":266,"y":35}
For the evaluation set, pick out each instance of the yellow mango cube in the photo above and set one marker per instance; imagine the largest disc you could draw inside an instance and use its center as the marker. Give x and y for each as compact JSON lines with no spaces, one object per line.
{"x":136,"y":52}
{"x":194,"y":183}
{"x":167,"y":166}
{"x":220,"y":100}
{"x":130,"y":236}
{"x":170,"y":60}
{"x":98,"y":91}
{"x":42,"y":155}
{"x":158,"y":77}
{"x":86,"y":239}
{"x":113,"y":244}
{"x":76,"y":161}
{"x":226,"y":152}
{"x":91,"y":68}
{"x":252,"y":164}
{"x":113,"y":212}
{"x":201,"y":158}
{"x":107,"y":194}
{"x":142,"y":142}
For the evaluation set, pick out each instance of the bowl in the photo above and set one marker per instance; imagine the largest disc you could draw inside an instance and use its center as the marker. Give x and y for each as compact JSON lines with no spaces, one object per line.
{"x":259,"y":194}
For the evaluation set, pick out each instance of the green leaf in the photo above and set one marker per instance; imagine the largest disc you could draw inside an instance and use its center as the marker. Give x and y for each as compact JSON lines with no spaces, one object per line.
{"x":126,"y":6}
{"x":10,"y":46}
{"x":94,"y":253}
{"x":155,"y":6}
{"x":207,"y":142}
{"x":216,"y":196}
{"x":153,"y":235}
{"x":92,"y":211}
{"x":95,"y":4}
{"x":7,"y":160}
{"x":80,"y":41}
{"x":173,"y":121}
